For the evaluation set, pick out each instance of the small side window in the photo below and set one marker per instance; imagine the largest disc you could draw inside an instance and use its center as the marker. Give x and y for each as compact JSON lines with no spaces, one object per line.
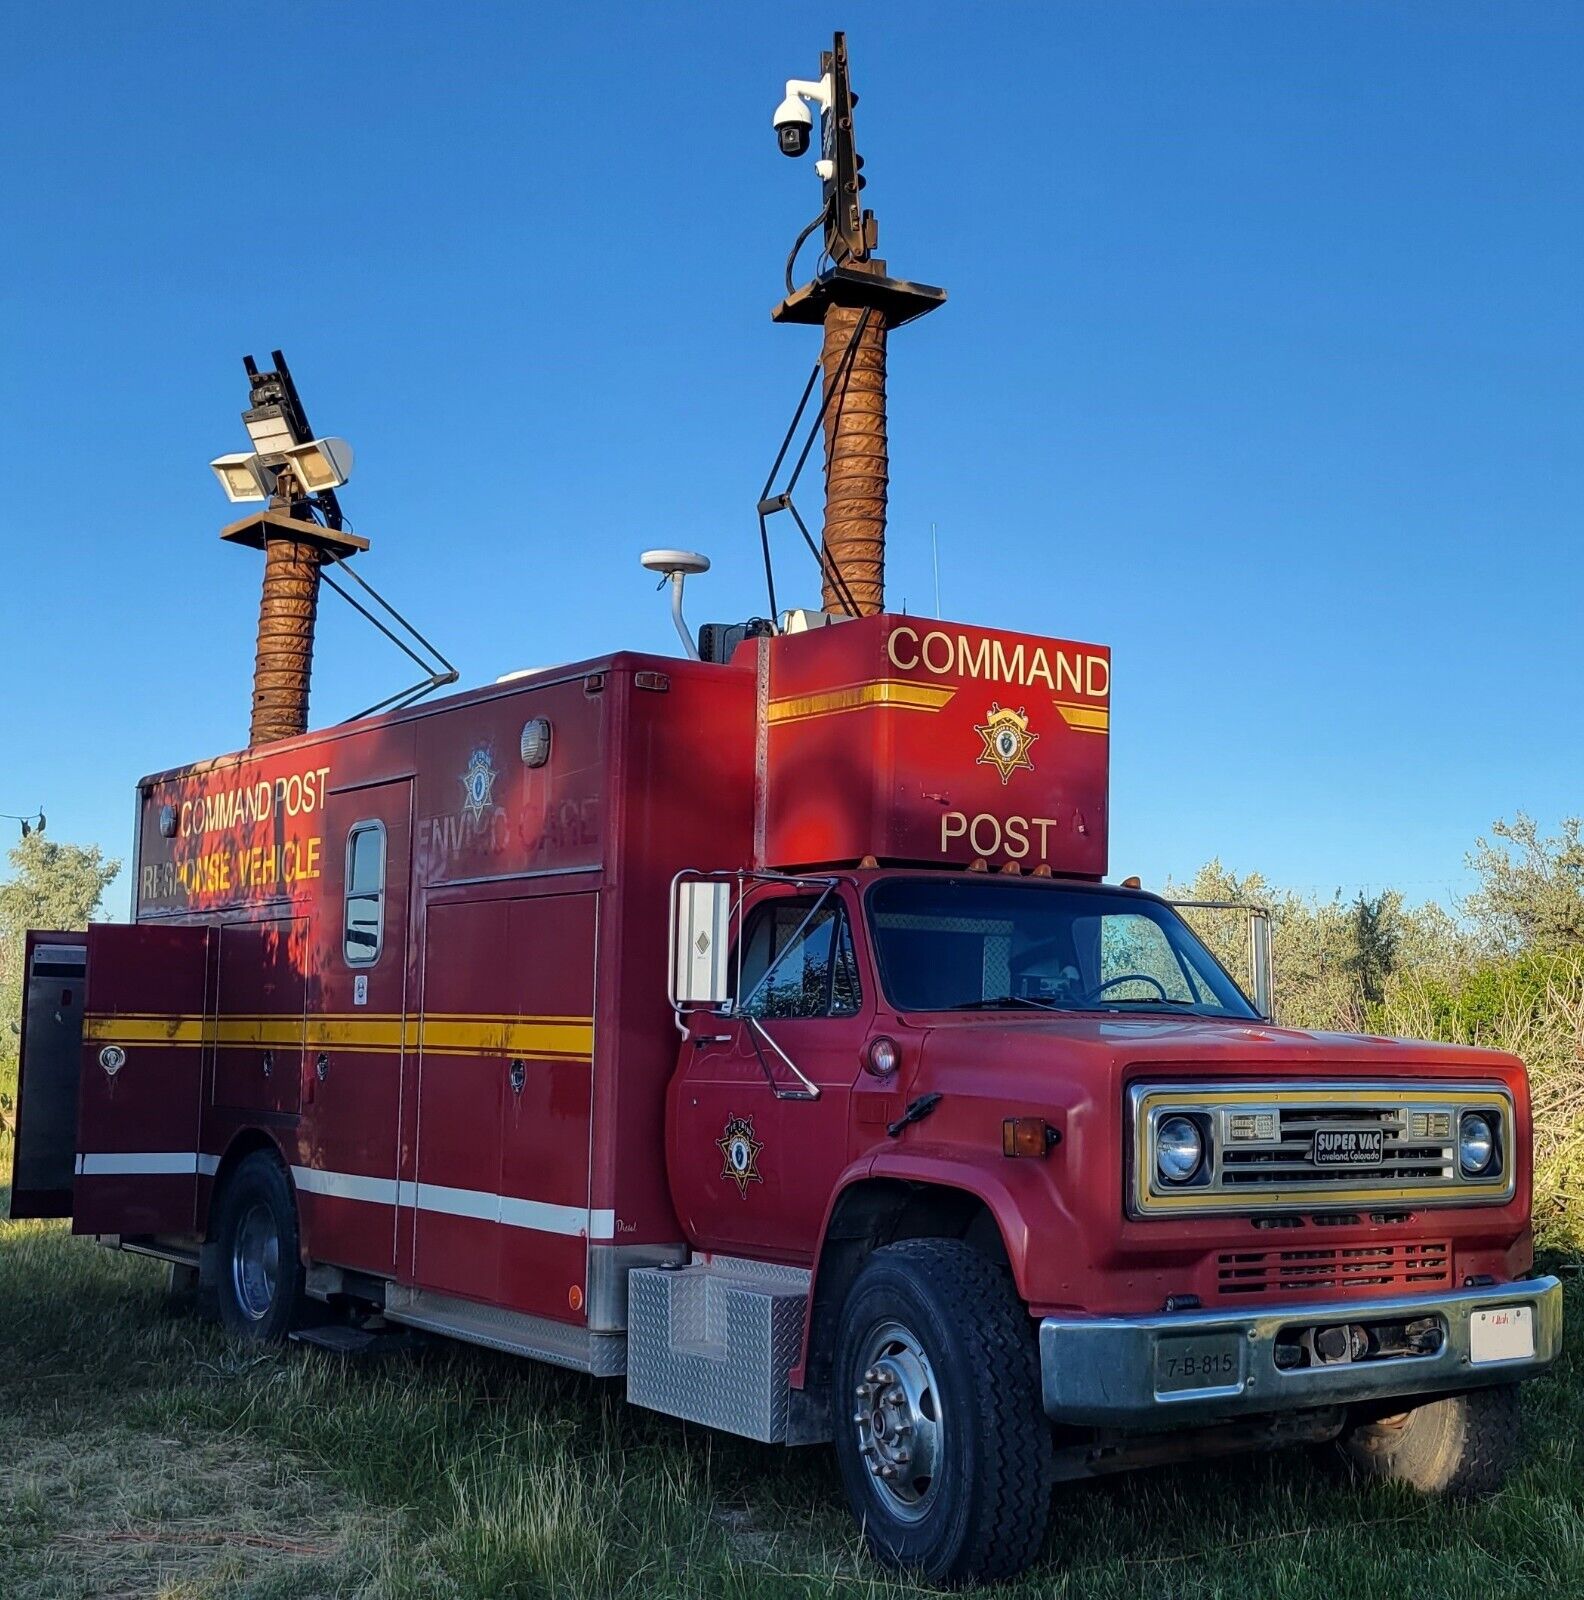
{"x":364,"y":922}
{"x":812,"y":970}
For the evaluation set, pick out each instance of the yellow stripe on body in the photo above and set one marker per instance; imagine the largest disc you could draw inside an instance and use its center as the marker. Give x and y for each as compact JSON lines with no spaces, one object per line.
{"x":144,"y":1029}
{"x":900,"y":693}
{"x":522,"y":1037}
{"x":1085,"y":718}
{"x":561,"y":1036}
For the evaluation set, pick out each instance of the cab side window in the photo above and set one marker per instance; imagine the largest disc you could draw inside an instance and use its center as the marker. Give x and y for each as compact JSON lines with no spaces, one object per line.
{"x":363,"y":924}
{"x":817,"y":973}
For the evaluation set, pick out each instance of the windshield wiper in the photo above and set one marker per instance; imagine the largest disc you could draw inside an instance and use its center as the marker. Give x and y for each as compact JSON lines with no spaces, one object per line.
{"x":1189,"y":1008}
{"x":994,"y":1002}
{"x":1151,"y":1000}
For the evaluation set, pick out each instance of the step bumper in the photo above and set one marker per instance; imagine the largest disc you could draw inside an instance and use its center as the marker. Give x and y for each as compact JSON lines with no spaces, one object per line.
{"x":1183,"y":1369}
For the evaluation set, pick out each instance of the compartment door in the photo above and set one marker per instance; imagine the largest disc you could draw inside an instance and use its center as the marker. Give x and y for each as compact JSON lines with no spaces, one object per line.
{"x":545,"y":1121}
{"x":259,"y":1026}
{"x":46,"y":1124}
{"x":505,"y":1047}
{"x":141,"y":1098}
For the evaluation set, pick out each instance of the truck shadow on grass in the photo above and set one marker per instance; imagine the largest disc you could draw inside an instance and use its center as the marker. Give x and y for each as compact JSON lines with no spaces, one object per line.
{"x":140,"y":1443}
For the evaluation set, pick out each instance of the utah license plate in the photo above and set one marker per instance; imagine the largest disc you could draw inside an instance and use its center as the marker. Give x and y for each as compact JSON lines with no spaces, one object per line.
{"x":1348,"y":1147}
{"x":1504,"y":1333}
{"x":1199,"y":1361}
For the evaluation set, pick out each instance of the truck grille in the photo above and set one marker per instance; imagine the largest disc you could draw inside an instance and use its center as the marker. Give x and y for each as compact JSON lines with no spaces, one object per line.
{"x":1377,"y":1268}
{"x":1275,"y":1163}
{"x":1317,"y":1145}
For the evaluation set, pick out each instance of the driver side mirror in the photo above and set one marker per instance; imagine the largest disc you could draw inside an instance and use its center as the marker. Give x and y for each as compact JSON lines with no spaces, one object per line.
{"x":1260,"y":959}
{"x":700,"y":940}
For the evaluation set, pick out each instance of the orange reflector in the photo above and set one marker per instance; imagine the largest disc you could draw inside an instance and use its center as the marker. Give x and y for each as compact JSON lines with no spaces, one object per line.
{"x":1025,"y":1136}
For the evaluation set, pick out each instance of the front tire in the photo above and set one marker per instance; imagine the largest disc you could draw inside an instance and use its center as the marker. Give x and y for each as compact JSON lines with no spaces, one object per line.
{"x":1461,"y":1447}
{"x":261,"y":1276}
{"x":941,"y":1435}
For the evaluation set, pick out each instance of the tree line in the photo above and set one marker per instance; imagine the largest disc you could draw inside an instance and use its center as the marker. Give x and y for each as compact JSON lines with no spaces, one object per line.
{"x":1502,"y":968}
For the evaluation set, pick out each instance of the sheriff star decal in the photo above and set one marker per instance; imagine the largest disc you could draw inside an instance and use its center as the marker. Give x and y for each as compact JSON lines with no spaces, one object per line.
{"x":740,"y":1151}
{"x":1006,"y":737}
{"x":478,"y":783}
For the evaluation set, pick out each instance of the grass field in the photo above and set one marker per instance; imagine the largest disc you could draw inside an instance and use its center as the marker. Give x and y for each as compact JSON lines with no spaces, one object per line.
{"x":139,"y":1455}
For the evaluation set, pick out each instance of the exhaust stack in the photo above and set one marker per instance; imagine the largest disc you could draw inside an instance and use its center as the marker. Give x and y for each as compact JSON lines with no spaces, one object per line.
{"x":857,"y":304}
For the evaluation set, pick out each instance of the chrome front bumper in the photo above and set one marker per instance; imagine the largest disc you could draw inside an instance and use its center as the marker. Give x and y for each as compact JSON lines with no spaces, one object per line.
{"x":1182,"y":1369}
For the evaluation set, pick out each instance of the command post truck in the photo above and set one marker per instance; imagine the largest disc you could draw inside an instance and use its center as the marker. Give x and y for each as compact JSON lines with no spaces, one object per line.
{"x":760,"y":1034}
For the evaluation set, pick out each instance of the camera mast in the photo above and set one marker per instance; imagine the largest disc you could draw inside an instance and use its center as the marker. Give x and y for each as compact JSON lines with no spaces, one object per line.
{"x":856,"y":303}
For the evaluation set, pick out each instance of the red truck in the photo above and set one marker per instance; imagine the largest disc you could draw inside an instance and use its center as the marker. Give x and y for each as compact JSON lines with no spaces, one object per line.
{"x":761,"y":1034}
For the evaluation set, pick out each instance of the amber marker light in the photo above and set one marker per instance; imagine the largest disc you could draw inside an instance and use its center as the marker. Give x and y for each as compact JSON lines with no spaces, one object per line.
{"x":1028,"y":1136}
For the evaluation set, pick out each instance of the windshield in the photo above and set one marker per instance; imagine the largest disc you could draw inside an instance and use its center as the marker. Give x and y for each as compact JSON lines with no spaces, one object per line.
{"x":955,"y":944}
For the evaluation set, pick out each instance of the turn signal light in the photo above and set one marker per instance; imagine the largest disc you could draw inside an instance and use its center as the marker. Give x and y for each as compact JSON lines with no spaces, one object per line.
{"x":882,"y":1058}
{"x":1027,"y":1136}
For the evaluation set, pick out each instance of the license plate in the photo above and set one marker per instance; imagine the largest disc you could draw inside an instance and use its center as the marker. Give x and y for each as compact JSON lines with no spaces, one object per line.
{"x":1199,"y":1361}
{"x":1504,"y":1333}
{"x":1348,"y":1147}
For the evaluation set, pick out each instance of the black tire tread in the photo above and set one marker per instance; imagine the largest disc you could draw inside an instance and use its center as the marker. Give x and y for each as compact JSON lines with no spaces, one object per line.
{"x":1013,"y":1482}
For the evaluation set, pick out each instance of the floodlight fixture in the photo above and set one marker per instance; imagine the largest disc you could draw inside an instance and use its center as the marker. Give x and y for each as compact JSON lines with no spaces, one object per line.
{"x":243,"y":476}
{"x":320,"y":464}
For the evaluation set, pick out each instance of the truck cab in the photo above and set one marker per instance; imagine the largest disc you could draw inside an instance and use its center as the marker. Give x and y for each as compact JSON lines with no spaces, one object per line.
{"x":1208,"y":1232}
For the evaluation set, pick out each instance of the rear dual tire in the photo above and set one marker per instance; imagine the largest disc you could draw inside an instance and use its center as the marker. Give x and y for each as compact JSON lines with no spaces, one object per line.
{"x":941,"y":1434}
{"x":260,"y":1287}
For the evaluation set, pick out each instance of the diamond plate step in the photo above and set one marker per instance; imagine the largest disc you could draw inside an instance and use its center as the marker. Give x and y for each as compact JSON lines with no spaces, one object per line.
{"x":713,"y":1342}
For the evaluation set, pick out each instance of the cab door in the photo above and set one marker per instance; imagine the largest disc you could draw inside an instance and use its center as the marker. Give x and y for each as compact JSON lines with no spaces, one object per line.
{"x":775,"y":1152}
{"x":140,"y":1103}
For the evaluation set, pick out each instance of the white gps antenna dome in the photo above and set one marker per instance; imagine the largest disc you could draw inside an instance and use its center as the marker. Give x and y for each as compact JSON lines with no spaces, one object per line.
{"x":676,"y":567}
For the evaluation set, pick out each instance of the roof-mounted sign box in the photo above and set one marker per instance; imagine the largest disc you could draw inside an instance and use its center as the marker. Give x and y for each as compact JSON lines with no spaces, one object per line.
{"x":931,"y":742}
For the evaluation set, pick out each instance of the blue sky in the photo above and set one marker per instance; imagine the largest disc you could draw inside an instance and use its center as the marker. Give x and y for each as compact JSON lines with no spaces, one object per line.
{"x":1262,"y":364}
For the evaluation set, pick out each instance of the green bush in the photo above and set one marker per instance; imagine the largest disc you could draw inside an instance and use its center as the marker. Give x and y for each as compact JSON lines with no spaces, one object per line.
{"x":1533,"y":1007}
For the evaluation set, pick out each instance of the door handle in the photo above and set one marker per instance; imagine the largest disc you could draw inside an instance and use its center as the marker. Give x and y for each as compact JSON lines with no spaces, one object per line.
{"x":268,"y":1062}
{"x":519,"y":1076}
{"x":322,"y":1066}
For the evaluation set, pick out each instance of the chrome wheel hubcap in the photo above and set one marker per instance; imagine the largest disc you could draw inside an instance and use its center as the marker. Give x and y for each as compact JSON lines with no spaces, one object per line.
{"x":255,"y":1261}
{"x":898,"y":1421}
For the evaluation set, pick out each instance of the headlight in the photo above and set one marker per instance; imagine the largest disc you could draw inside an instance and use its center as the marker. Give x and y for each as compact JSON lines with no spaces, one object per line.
{"x":1476,"y":1144}
{"x":1178,"y":1149}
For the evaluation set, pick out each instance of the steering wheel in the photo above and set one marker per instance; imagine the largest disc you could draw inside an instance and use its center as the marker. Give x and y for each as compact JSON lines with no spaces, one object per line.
{"x":1127,"y":977}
